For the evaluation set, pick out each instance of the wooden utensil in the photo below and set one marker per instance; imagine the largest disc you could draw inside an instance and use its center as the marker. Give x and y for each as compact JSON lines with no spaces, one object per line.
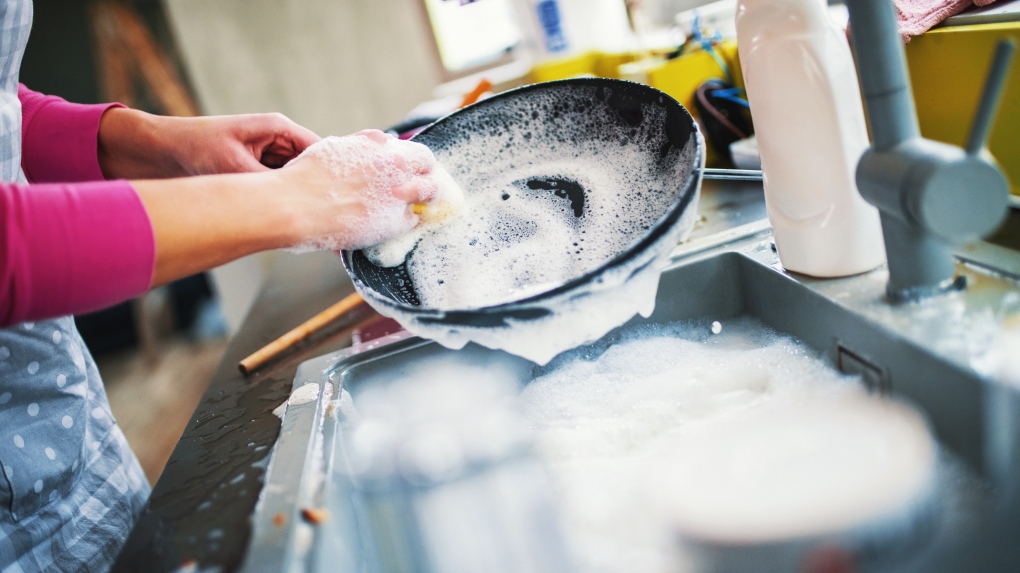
{"x":329,"y":317}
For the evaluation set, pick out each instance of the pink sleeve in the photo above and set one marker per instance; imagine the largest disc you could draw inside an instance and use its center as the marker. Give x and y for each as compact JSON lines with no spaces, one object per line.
{"x":71,"y":248}
{"x":59,"y":139}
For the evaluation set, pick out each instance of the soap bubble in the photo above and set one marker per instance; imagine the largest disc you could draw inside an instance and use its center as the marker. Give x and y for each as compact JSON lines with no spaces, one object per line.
{"x":377,"y":178}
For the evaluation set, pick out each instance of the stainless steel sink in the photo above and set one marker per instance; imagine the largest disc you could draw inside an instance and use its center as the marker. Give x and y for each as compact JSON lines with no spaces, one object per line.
{"x":930,"y":353}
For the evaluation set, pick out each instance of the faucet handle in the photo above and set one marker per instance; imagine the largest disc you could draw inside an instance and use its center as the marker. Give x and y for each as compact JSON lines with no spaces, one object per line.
{"x":961,"y":194}
{"x":991,"y":96}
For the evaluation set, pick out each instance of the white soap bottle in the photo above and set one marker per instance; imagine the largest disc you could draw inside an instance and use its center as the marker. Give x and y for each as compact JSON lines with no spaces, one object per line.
{"x":809,"y":121}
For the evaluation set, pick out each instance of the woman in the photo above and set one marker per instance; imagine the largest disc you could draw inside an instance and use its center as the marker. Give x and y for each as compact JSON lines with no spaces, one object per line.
{"x":154,"y":199}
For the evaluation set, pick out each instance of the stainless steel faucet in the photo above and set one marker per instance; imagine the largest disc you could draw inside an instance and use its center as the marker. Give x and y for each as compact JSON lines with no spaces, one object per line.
{"x":930,"y":195}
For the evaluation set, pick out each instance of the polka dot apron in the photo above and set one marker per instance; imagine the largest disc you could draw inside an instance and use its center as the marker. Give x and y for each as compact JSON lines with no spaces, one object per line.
{"x":70,"y":487}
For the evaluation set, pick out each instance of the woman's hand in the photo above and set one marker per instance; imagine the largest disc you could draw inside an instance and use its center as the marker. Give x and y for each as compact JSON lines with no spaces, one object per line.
{"x":343,"y":193}
{"x":137,"y":145}
{"x":357,"y":191}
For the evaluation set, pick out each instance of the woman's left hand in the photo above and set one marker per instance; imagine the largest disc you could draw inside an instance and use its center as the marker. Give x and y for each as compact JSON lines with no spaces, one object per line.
{"x":137,"y":145}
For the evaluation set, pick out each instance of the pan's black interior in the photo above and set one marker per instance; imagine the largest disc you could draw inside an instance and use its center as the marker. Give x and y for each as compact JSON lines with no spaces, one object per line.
{"x":619,"y":103}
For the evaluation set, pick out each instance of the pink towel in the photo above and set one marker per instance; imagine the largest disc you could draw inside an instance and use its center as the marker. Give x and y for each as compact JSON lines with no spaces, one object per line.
{"x":915,"y":17}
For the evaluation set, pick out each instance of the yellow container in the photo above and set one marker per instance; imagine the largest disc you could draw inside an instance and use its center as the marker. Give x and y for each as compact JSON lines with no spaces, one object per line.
{"x":947,"y":72}
{"x":681,"y":76}
{"x":594,"y":63}
{"x":562,"y":68}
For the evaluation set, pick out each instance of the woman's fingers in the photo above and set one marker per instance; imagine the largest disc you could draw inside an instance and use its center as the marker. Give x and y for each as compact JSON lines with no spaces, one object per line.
{"x":249,"y":164}
{"x":417,"y":190}
{"x":362,"y":189}
{"x":375,"y":135}
{"x":272,"y":138}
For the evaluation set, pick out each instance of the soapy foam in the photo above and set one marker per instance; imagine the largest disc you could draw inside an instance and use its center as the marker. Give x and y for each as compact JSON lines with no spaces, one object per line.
{"x":526,"y":185}
{"x":447,"y":413}
{"x":304,"y":394}
{"x":444,"y":208}
{"x":300,"y":395}
{"x":651,"y":434}
{"x":1001,"y":359}
{"x":528,"y":167}
{"x":378,"y":167}
{"x":798,"y":469}
{"x":577,"y":316}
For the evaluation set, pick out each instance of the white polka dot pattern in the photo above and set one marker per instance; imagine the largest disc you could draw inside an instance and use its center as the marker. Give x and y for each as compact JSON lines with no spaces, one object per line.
{"x":35,"y":534}
{"x":55,"y":422}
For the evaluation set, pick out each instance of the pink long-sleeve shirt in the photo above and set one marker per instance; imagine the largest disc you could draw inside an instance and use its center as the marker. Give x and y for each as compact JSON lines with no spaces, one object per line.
{"x":71,"y":241}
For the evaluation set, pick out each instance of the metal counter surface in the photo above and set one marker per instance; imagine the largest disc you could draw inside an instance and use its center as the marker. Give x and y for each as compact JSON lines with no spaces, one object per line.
{"x":199,"y":515}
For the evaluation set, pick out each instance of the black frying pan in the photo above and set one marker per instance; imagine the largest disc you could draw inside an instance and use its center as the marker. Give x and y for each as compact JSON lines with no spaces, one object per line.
{"x":621,"y":106}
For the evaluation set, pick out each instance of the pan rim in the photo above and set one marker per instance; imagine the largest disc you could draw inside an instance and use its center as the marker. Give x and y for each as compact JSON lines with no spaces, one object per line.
{"x":688,"y":190}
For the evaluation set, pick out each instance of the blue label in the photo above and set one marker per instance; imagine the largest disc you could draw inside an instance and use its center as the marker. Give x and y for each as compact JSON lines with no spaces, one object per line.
{"x":552,"y":29}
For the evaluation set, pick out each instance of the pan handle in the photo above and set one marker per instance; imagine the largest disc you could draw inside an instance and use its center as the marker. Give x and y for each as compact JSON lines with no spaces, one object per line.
{"x":732,"y":174}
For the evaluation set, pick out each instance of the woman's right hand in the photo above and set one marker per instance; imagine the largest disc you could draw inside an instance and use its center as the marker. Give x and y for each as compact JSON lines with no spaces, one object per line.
{"x":341,"y":193}
{"x":356,"y":191}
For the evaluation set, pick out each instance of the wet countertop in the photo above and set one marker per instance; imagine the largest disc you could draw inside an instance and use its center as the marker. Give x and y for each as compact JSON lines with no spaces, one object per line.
{"x":199,"y":511}
{"x":199,"y":515}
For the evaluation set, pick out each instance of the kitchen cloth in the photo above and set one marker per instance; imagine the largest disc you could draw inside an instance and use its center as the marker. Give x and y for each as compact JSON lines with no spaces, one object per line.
{"x":915,"y":17}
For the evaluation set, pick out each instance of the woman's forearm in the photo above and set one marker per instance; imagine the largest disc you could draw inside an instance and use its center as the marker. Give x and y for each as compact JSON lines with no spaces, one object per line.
{"x":202,"y":222}
{"x":132,"y":144}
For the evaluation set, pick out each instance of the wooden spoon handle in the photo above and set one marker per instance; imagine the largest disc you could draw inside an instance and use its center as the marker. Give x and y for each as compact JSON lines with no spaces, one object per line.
{"x":301,"y":332}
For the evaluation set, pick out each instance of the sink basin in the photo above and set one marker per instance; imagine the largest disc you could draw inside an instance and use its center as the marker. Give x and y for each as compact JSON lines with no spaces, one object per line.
{"x":932,"y":354}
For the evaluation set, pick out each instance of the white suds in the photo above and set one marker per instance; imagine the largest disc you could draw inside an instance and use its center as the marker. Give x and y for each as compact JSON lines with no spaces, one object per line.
{"x":369,"y":168}
{"x":304,"y":394}
{"x":1001,"y":359}
{"x":447,"y":205}
{"x":542,"y":213}
{"x":556,"y":186}
{"x":430,"y":424}
{"x":740,"y":437}
{"x":300,"y":395}
{"x":345,"y":406}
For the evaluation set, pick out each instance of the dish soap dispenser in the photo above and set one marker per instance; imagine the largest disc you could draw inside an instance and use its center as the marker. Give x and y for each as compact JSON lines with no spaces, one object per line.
{"x":809,"y":121}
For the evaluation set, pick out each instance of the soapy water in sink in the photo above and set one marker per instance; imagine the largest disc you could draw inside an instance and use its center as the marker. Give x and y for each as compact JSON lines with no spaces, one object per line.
{"x":719,"y":432}
{"x":736,"y":438}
